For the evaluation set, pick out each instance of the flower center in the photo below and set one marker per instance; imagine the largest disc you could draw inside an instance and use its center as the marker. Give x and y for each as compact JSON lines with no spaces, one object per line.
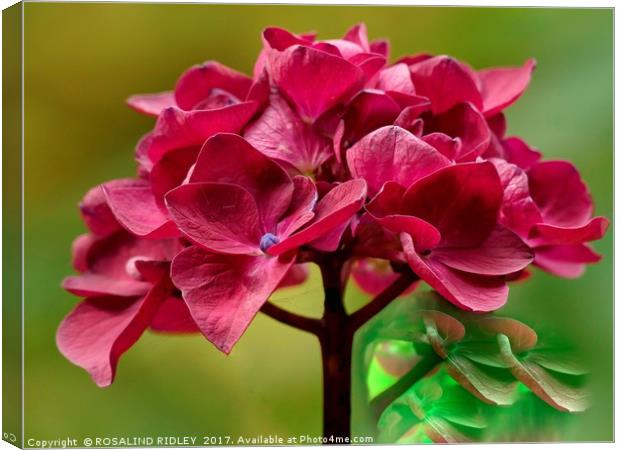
{"x":132,"y":270}
{"x":267,"y":241}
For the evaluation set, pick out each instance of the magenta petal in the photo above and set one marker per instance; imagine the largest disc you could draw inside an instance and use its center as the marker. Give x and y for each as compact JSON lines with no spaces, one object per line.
{"x":502,"y":253}
{"x":220,"y":217}
{"x":447,"y":146}
{"x":502,"y":87}
{"x":468,"y":291}
{"x":95,"y":210}
{"x":99,"y":330}
{"x":446,"y":82}
{"x":152,"y":104}
{"x":334,"y":209}
{"x":300,"y":210}
{"x":176,"y":128}
{"x":225,"y":292}
{"x":373,"y":276}
{"x":396,"y":78}
{"x":136,"y":209}
{"x":173,"y":316}
{"x":228,"y":158}
{"x":544,"y":234}
{"x":358,"y":34}
{"x":370,"y":63}
{"x":566,"y":261}
{"x":461,"y":201}
{"x":281,"y":134}
{"x":560,"y":193}
{"x":198,"y":82}
{"x":519,"y":153}
{"x":314,"y":80}
{"x":296,"y":275}
{"x":281,"y":39}
{"x":466,"y":123}
{"x":393,"y":154}
{"x":171,"y":170}
{"x":94,"y":285}
{"x":381,"y":47}
{"x":79,"y":251}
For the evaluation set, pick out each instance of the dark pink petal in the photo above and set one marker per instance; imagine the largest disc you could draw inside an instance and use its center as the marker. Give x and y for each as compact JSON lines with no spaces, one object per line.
{"x":198,"y":82}
{"x":281,"y":39}
{"x":374,"y":241}
{"x":334,"y":209}
{"x":374,"y":275}
{"x":498,"y":125}
{"x":296,"y":275}
{"x":461,"y":201}
{"x":380,"y":46}
{"x":544,"y":234}
{"x":314,"y":80}
{"x":566,"y":261}
{"x":136,"y":208}
{"x":466,"y":123}
{"x":173,"y":316}
{"x":225,"y":292}
{"x":396,"y":78}
{"x":171,"y":170}
{"x":95,"y":210}
{"x":300,"y":210}
{"x":560,"y":193}
{"x":445,"y":81}
{"x":99,"y":330}
{"x":79,"y":250}
{"x":228,"y":158}
{"x":93,"y":285}
{"x":370,"y":63}
{"x":281,"y":134}
{"x":393,"y":154}
{"x":358,"y":34}
{"x":331,"y":241}
{"x":366,"y":112}
{"x":519,"y":212}
{"x":501,"y":253}
{"x":468,"y":291}
{"x":176,"y":128}
{"x":519,"y":153}
{"x":502,"y":87}
{"x":220,"y":217}
{"x":409,"y":117}
{"x":152,"y":104}
{"x":444,"y":144}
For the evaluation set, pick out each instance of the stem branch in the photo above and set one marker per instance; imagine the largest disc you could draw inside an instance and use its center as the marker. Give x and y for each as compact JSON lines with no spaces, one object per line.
{"x":281,"y":315}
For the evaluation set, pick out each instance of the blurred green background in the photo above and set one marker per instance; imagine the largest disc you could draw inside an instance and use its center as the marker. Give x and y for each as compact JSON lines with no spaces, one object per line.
{"x":83,"y":60}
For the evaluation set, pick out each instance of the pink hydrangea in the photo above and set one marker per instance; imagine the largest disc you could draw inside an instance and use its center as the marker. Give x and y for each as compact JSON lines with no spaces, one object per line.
{"x":326,"y":150}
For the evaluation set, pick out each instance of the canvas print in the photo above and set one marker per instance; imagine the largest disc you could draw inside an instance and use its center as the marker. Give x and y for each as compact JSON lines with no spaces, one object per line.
{"x":302,"y":225}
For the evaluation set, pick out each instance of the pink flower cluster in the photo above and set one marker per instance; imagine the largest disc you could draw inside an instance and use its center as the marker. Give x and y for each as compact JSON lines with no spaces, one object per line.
{"x":326,"y":148}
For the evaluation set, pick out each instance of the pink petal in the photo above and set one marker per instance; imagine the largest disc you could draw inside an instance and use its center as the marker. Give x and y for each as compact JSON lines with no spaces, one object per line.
{"x":471,"y":292}
{"x":444,"y":144}
{"x":446,"y":82}
{"x":176,"y":128}
{"x":95,"y":210}
{"x":228,"y":158}
{"x":296,"y":275}
{"x":393,"y":154}
{"x":560,"y":193}
{"x":370,"y":63}
{"x":281,"y":134}
{"x":173,"y":316}
{"x":136,"y":208}
{"x":98,"y":331}
{"x":300,"y":210}
{"x":171,"y":170}
{"x":220,"y":217}
{"x":152,"y":104}
{"x":79,"y":250}
{"x":281,"y":39}
{"x":466,"y":123}
{"x":358,"y":34}
{"x":544,"y":234}
{"x":198,"y":82}
{"x":225,"y":292}
{"x":334,"y":209}
{"x":94,"y":285}
{"x":373,"y":276}
{"x":461,"y":201}
{"x":396,"y":78}
{"x":501,"y":253}
{"x":502,"y":87}
{"x":519,"y":153}
{"x":380,"y":46}
{"x":519,"y":212}
{"x":568,"y":261}
{"x":314,"y":80}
